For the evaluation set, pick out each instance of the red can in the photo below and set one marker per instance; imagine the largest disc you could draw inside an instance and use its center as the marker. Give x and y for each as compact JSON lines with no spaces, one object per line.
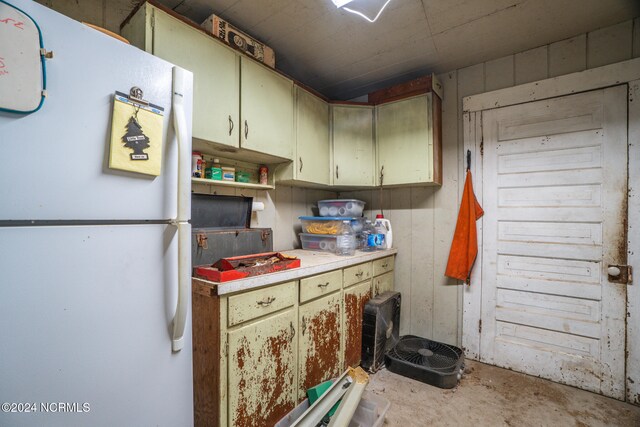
{"x":264,"y":175}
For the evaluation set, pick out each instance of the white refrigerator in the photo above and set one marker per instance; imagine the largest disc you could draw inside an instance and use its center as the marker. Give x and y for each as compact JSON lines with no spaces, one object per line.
{"x":94,"y":263}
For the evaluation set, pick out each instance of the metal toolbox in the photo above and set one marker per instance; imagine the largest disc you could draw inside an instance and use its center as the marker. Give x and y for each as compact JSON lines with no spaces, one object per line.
{"x":221,"y":229}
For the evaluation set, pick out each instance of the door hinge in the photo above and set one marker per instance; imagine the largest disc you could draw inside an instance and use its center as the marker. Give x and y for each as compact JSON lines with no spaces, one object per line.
{"x":226,"y":349}
{"x":482,"y":147}
{"x":480,"y":326}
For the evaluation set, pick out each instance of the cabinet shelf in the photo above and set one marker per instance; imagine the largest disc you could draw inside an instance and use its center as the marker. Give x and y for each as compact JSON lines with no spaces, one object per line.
{"x":231,"y":184}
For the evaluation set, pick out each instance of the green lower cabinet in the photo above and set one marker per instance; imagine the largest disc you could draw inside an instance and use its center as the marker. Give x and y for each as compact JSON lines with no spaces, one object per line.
{"x":319,"y":354}
{"x":382,"y":283}
{"x":261,"y":372}
{"x":355,"y":299}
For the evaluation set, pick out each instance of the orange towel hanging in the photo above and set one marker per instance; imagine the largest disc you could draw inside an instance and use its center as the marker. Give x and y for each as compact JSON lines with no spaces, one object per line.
{"x":464,"y":247}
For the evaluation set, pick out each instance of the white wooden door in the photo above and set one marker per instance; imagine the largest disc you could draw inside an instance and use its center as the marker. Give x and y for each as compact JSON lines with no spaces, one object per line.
{"x":554,"y":196}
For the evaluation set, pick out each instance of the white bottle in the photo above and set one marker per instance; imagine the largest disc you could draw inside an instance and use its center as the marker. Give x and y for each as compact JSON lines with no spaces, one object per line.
{"x":388,"y":232}
{"x":346,"y":240}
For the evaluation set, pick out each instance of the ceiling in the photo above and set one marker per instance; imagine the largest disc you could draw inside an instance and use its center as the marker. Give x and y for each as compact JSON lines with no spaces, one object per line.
{"x":343,"y":56}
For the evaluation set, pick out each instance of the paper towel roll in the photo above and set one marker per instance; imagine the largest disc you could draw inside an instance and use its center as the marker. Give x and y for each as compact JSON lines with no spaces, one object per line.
{"x":257,"y":206}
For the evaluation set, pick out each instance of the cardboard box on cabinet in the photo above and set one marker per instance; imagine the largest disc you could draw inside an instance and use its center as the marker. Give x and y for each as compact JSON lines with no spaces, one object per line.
{"x":231,"y":35}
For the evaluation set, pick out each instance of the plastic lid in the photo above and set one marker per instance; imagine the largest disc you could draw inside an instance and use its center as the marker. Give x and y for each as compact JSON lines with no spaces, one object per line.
{"x":216,"y":160}
{"x":379,"y":216}
{"x":326,"y":218}
{"x":196,"y":153}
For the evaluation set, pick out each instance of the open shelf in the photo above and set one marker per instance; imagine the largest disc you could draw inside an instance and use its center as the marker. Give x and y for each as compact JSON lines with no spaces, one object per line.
{"x":231,"y":184}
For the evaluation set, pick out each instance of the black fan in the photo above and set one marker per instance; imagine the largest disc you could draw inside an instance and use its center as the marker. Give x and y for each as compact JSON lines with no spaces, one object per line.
{"x":428,"y":361}
{"x":380,"y":328}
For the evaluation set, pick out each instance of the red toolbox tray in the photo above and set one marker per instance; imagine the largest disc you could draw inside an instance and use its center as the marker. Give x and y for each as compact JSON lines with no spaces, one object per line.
{"x":239,"y":267}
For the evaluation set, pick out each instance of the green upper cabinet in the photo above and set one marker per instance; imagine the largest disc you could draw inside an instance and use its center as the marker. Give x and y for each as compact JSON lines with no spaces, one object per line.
{"x":408,"y":144}
{"x":311,"y":160}
{"x":266,"y":100}
{"x":215,"y":67}
{"x":353,"y":146}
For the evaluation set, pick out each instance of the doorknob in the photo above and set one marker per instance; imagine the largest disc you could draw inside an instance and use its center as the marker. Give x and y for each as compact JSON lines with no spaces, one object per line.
{"x":613,"y":271}
{"x":619,"y":274}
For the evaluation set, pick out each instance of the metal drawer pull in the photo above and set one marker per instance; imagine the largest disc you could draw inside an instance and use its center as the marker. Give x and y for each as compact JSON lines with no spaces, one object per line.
{"x":246,"y":129}
{"x":323,"y":285}
{"x":293,"y":331}
{"x":230,"y":125}
{"x":385,"y":265}
{"x":267,"y":301}
{"x":359,"y":274}
{"x":301,"y":164}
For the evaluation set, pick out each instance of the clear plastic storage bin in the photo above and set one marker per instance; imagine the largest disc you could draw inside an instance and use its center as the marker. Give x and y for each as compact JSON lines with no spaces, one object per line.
{"x":328,"y":224}
{"x":318,"y":242}
{"x":321,"y":225}
{"x":341,"y":207}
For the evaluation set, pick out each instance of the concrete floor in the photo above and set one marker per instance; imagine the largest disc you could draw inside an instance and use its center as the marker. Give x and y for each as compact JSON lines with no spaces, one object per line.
{"x":491,"y":396}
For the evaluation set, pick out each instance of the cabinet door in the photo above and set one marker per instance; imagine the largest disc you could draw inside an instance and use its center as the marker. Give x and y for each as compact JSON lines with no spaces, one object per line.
{"x":354,"y":300}
{"x":382,"y":283}
{"x":312,"y":138}
{"x":319,"y":344}
{"x":261,"y":375}
{"x":216,"y":77}
{"x":405,"y":141}
{"x":353,"y":145}
{"x":266,"y":110}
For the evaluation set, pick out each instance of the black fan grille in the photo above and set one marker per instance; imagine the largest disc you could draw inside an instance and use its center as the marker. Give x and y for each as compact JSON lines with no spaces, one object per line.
{"x":426,"y":353}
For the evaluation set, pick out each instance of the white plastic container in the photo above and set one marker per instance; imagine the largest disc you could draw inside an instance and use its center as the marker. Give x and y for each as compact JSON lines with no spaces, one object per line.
{"x":228,"y":173}
{"x":341,"y":207}
{"x":318,"y":242}
{"x":197,"y":170}
{"x":388,"y":238}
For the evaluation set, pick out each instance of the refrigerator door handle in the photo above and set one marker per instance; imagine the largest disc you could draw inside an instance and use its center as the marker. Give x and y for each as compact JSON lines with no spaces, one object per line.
{"x":184,"y":207}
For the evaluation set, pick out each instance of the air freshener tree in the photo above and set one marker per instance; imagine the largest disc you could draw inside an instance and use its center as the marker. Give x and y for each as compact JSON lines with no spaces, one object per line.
{"x":135,"y":139}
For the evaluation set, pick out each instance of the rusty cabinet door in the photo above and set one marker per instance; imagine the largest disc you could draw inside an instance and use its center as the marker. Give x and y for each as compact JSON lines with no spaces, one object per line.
{"x":382,"y":283}
{"x":261,"y":374}
{"x":319,"y":344}
{"x":355,"y":298}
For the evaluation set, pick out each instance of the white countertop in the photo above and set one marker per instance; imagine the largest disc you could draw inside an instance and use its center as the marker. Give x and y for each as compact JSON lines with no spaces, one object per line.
{"x":311,"y":263}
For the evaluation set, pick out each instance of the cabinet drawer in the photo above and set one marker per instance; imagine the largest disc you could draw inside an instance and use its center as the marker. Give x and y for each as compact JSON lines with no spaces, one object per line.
{"x":254,"y":304}
{"x":356,"y":274}
{"x":383,"y":265}
{"x":383,"y":283}
{"x":322,"y":284}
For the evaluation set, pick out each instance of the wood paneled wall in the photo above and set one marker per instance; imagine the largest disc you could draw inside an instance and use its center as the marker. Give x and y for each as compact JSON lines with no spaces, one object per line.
{"x":423,"y":218}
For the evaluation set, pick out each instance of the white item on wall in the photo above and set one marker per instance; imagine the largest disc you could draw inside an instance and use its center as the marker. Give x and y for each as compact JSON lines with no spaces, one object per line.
{"x":257,"y":206}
